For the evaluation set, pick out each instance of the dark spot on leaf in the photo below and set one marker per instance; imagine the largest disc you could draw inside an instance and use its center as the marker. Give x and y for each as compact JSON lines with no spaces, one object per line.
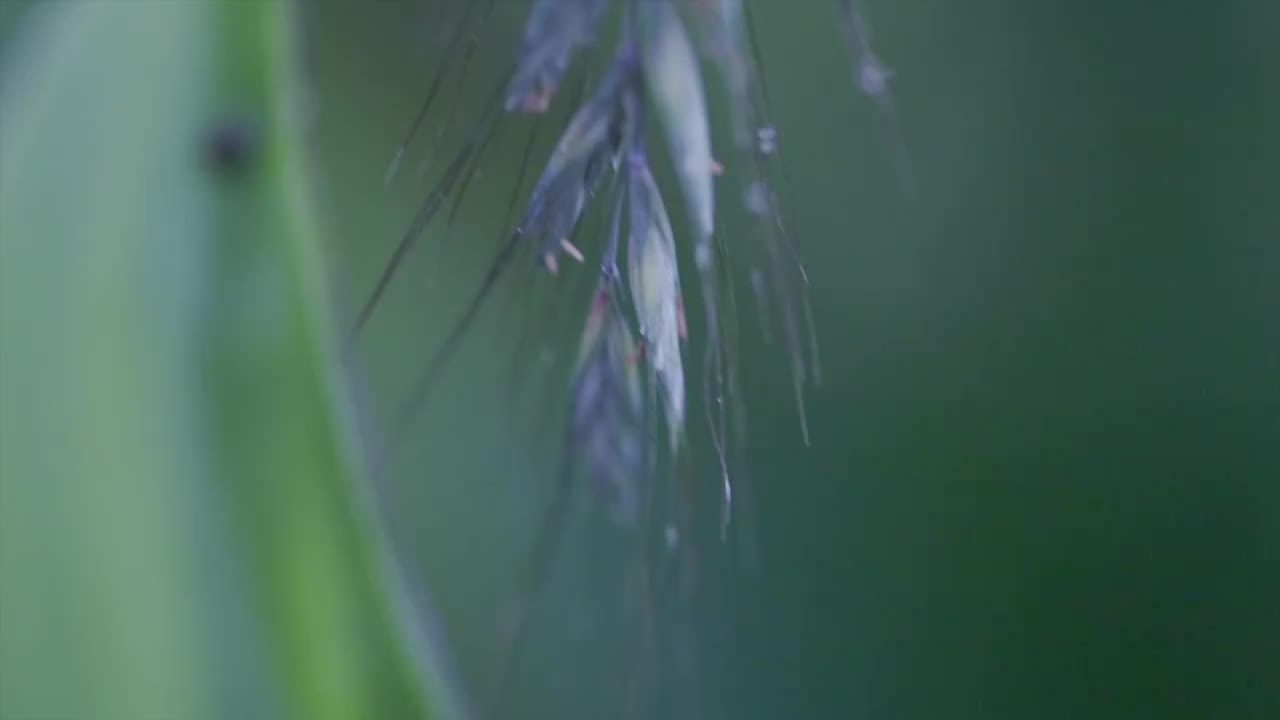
{"x":231,"y":147}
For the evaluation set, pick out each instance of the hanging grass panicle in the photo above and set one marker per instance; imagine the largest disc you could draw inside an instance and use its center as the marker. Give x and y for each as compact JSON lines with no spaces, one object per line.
{"x":653,"y":79}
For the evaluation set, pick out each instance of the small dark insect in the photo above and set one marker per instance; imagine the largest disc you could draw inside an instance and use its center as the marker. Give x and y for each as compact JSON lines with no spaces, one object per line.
{"x":231,"y":146}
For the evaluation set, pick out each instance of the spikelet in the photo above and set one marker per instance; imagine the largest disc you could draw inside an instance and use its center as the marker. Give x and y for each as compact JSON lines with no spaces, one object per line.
{"x":588,"y":148}
{"x":605,"y":435}
{"x":553,"y":32}
{"x":674,"y":82}
{"x":655,"y":290}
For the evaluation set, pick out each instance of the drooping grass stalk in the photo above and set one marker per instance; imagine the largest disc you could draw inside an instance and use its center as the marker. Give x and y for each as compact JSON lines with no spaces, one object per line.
{"x":185,"y":531}
{"x":652,"y":88}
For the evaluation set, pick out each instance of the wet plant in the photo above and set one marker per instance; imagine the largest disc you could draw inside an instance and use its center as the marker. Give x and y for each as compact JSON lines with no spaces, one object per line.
{"x":634,"y":142}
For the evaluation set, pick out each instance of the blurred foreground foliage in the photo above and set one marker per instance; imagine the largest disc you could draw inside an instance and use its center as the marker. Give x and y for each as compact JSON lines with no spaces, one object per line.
{"x":183,"y":532}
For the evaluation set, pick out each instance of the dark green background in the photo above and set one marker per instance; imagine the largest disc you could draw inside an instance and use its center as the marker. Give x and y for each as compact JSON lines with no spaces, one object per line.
{"x":1045,"y":472}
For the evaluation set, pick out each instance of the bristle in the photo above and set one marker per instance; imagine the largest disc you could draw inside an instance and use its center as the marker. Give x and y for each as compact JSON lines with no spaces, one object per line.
{"x":459,"y":34}
{"x":513,"y":201}
{"x":762,"y":201}
{"x":426,"y":211}
{"x":563,"y":207}
{"x":455,"y":207}
{"x":459,"y":85}
{"x":739,"y":58}
{"x":426,"y":381}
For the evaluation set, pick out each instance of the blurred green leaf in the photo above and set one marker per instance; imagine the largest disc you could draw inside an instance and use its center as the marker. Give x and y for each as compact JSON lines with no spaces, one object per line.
{"x":182,"y":532}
